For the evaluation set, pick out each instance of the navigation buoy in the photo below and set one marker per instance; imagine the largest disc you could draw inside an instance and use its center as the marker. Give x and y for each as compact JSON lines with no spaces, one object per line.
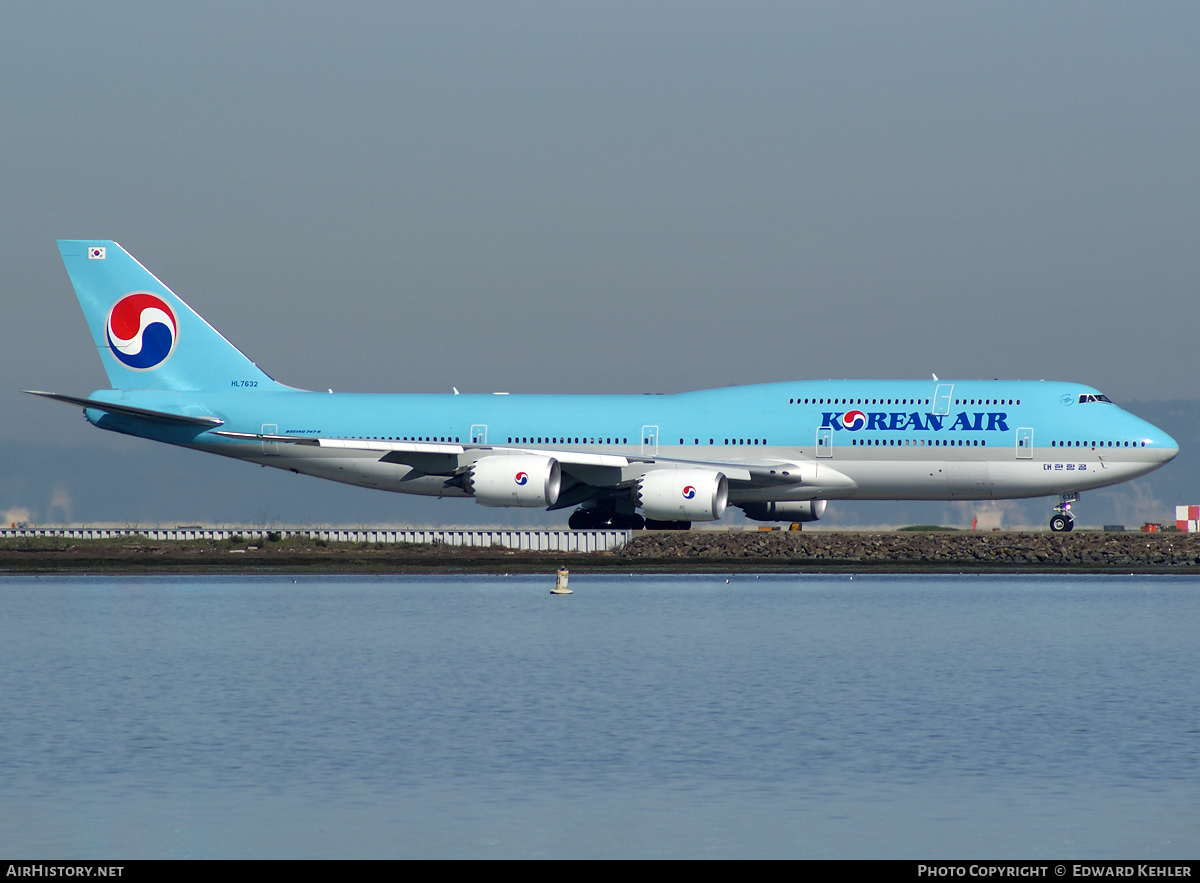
{"x":560,"y":584}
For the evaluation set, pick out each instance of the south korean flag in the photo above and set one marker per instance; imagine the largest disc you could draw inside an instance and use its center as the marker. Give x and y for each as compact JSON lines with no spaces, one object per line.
{"x":96,"y":253}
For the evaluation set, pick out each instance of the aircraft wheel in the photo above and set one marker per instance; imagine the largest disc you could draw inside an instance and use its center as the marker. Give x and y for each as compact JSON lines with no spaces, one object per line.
{"x":1060,"y":523}
{"x":581,"y":519}
{"x":652,"y":524}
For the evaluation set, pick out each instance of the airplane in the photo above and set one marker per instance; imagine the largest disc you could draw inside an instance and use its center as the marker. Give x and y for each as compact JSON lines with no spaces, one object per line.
{"x":777,"y":451}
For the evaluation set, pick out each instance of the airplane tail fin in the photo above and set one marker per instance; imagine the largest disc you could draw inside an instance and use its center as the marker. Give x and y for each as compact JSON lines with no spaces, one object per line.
{"x":147,"y":337}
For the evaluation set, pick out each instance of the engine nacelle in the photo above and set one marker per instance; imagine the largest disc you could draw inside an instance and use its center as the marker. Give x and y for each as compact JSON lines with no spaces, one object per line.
{"x":519,"y":480}
{"x":788,"y":510}
{"x":682,"y":494}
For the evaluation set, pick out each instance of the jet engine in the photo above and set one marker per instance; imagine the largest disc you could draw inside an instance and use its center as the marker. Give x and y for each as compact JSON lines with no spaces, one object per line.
{"x":520,"y":480}
{"x":682,"y":494}
{"x":788,"y":510}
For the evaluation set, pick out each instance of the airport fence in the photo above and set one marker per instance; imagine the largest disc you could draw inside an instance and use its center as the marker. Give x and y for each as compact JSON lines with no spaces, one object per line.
{"x":525,"y":540}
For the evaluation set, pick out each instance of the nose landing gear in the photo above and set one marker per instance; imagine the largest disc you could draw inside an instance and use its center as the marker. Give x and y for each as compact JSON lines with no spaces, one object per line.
{"x":1062,"y":520}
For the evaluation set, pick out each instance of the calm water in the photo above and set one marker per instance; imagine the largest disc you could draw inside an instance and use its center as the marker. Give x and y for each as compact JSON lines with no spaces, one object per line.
{"x":464,"y":716}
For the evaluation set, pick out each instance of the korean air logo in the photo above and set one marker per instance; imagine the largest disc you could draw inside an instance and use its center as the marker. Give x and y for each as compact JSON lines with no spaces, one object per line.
{"x":141,"y":331}
{"x":854,"y":420}
{"x":689,"y":493}
{"x":521,"y":478}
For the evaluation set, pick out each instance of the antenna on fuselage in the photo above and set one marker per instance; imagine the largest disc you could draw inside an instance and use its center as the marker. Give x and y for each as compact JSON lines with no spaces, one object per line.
{"x":934,"y":376}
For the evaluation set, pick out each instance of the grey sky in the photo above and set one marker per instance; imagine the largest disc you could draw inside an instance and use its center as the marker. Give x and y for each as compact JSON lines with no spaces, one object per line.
{"x":612,"y":197}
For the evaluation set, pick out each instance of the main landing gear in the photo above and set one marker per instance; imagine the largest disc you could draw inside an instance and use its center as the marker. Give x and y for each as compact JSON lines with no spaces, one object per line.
{"x":1062,"y":520}
{"x":595,"y":519}
{"x":608,"y":515}
{"x":651,"y":524}
{"x":601,"y":519}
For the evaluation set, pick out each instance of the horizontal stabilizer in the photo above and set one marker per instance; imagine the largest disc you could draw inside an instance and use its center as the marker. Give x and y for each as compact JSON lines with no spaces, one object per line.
{"x":128,"y":410}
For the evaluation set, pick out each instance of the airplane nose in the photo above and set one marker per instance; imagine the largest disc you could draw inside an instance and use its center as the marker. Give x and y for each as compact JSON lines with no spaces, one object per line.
{"x":1168,"y":446}
{"x":1159,"y":445}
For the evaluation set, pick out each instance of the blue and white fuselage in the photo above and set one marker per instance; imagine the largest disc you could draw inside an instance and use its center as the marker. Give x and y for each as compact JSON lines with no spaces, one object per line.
{"x":777,"y":450}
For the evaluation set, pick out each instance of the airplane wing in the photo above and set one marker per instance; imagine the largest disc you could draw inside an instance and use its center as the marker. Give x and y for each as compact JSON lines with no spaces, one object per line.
{"x":434,"y":458}
{"x":600,"y":470}
{"x":128,"y":410}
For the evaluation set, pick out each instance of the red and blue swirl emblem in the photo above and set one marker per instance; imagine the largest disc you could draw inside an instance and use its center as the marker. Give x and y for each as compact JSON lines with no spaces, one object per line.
{"x":521,"y":478}
{"x":689,"y":493}
{"x":142,"y":331}
{"x":854,"y":420}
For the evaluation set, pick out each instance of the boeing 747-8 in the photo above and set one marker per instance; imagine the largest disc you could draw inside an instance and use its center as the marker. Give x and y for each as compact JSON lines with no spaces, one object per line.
{"x":777,"y":451}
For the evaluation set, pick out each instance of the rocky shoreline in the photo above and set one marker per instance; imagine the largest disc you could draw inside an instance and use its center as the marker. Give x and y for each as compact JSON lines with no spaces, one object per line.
{"x":781,"y":551}
{"x":905,"y":550}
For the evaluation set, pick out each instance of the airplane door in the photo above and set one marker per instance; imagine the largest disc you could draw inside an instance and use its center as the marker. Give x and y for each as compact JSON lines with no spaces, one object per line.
{"x":270,"y":447}
{"x":941,"y":399}
{"x":825,"y":441}
{"x":649,"y":441}
{"x":1024,"y":443}
{"x":479,"y":434}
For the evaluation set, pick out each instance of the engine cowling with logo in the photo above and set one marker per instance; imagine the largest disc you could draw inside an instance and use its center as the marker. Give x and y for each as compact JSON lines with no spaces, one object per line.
{"x":525,"y":480}
{"x":787,"y":510}
{"x":683,"y":494}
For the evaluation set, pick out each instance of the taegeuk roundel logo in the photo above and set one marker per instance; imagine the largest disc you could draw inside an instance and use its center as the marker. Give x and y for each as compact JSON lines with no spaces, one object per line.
{"x":521,"y":478}
{"x":141,"y":331}
{"x":854,"y":420}
{"x":689,"y":493}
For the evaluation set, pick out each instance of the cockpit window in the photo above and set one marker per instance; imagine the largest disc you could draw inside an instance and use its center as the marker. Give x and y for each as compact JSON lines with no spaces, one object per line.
{"x":1089,"y":397}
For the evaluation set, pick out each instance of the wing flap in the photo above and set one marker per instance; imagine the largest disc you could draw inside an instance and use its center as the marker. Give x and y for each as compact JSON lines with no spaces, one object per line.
{"x":259,"y":436}
{"x":577,"y":458}
{"x":388,"y":447}
{"x":765,"y":472}
{"x":349,"y":444}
